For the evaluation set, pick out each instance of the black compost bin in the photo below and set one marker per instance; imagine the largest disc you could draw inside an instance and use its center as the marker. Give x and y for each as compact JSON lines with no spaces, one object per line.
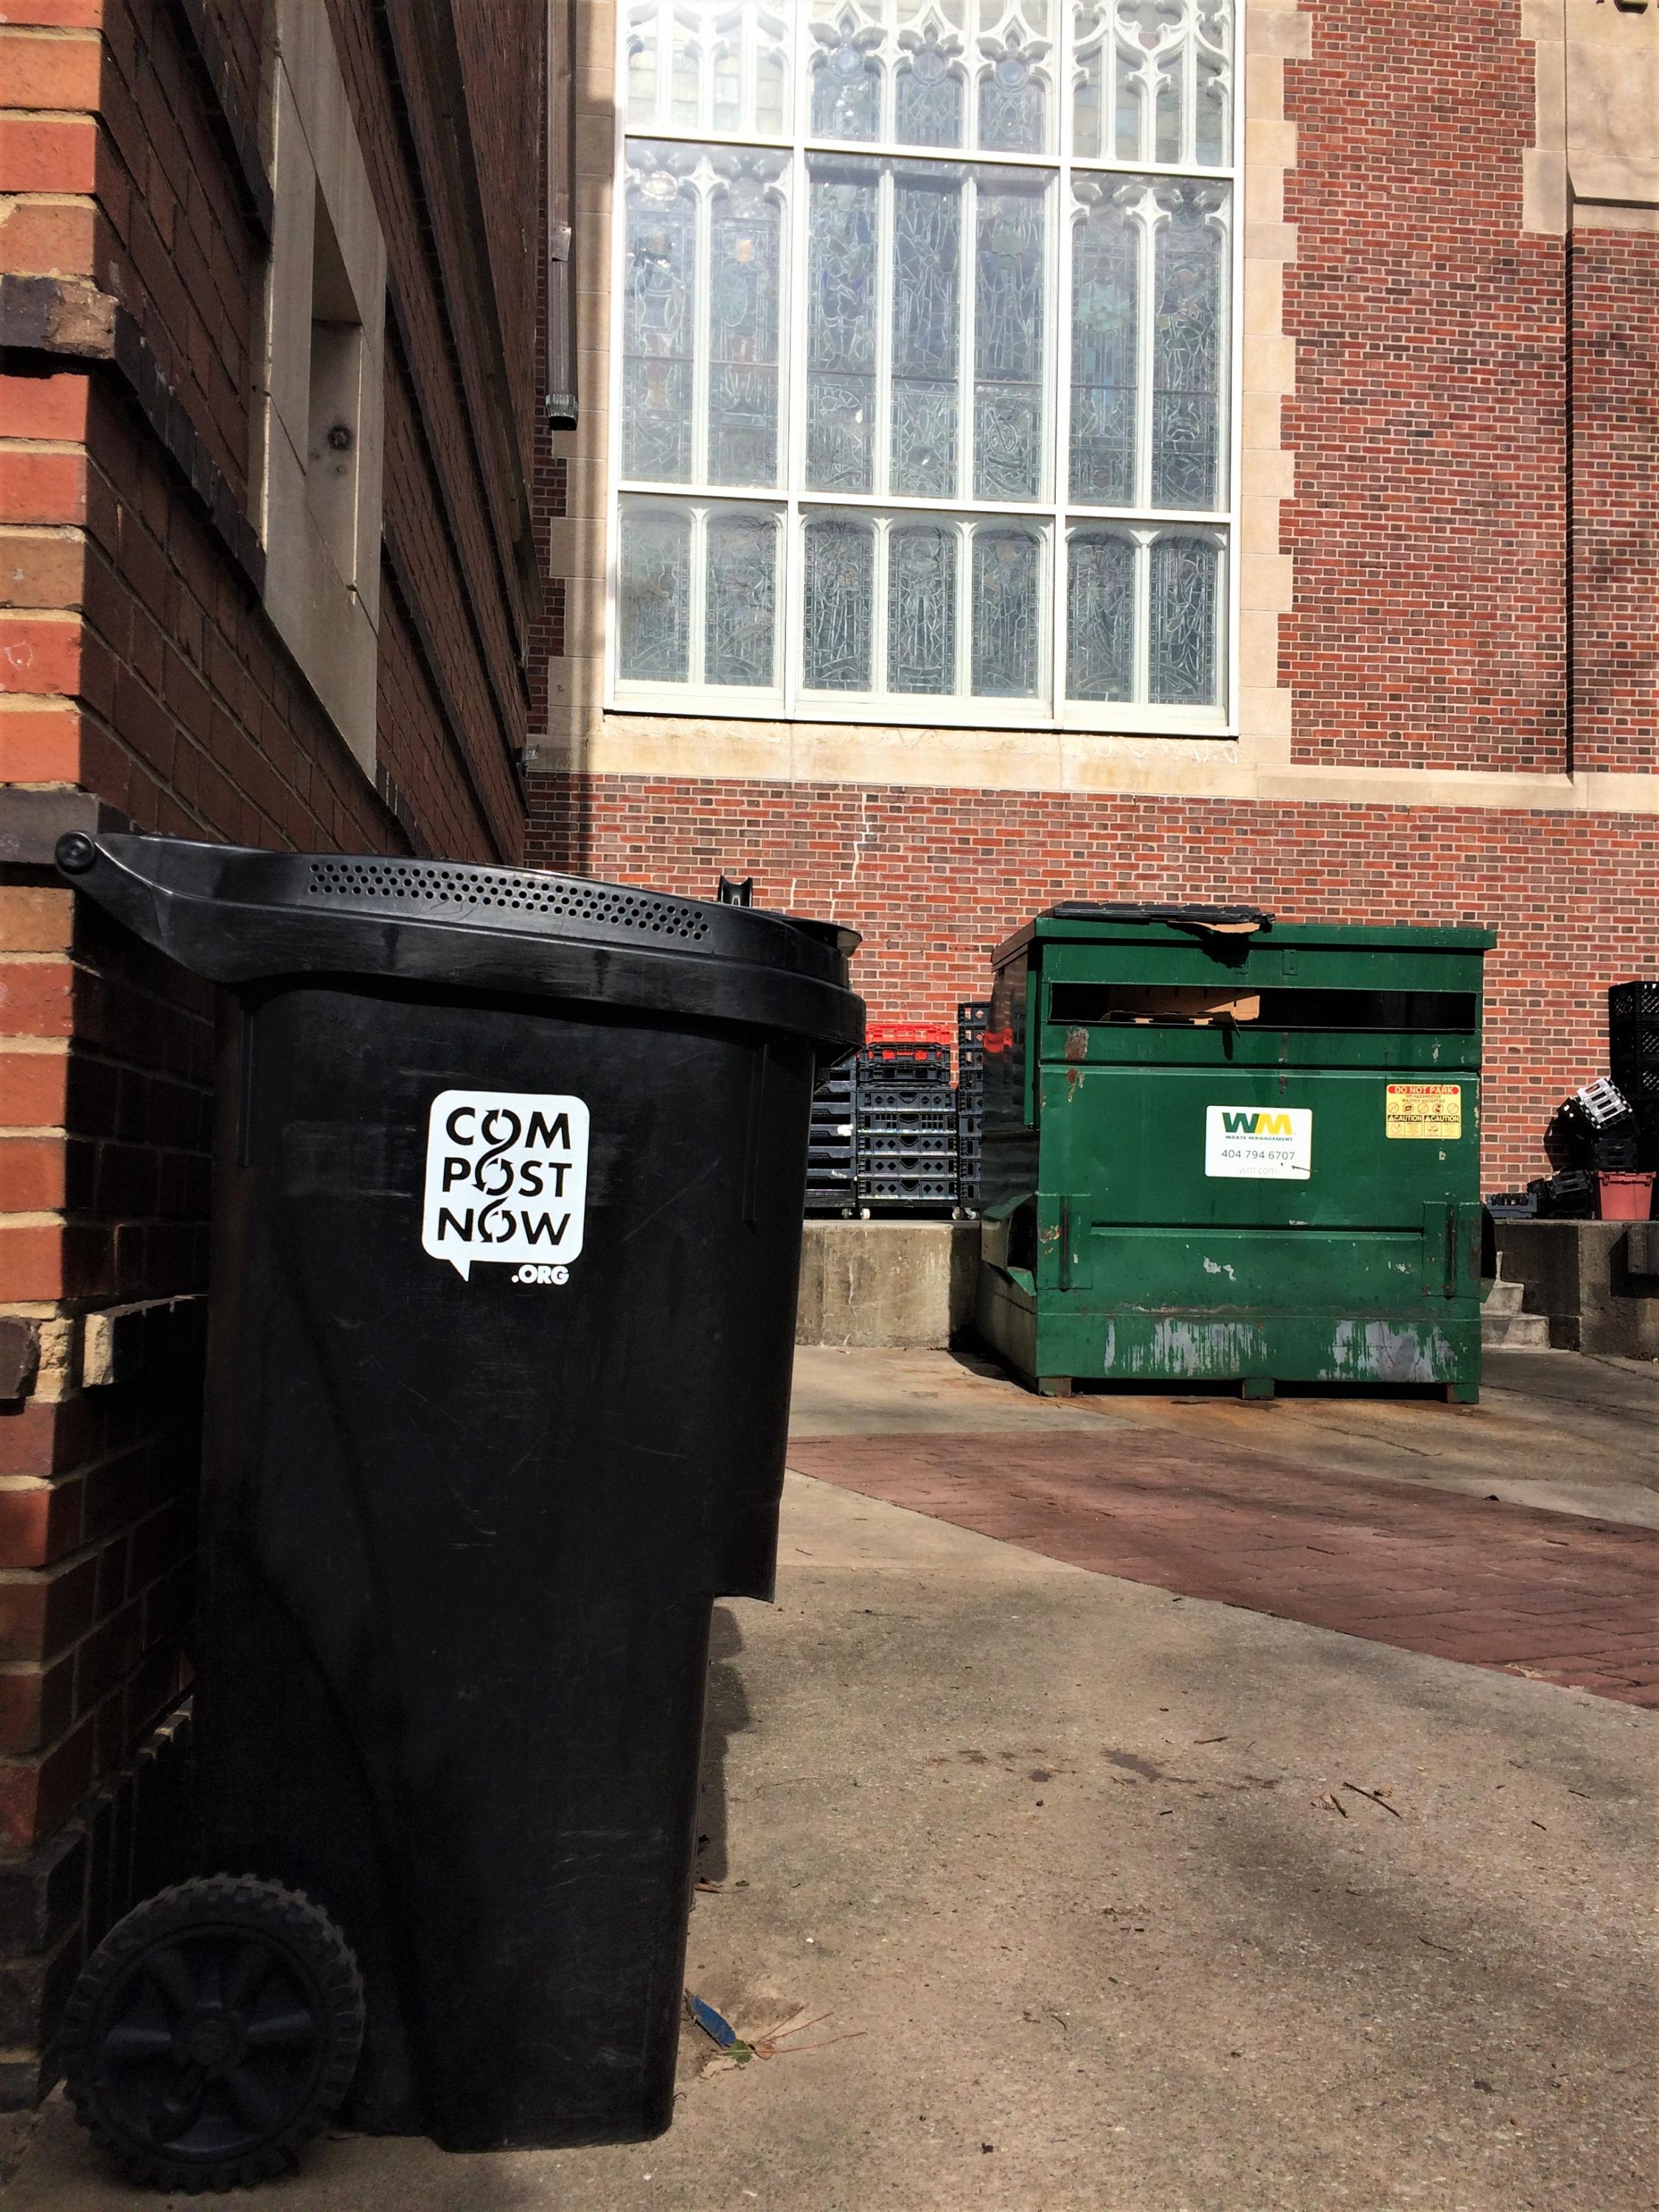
{"x":508,"y":1189}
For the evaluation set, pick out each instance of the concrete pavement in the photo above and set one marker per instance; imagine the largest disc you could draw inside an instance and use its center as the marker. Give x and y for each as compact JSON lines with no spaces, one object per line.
{"x":1386,"y":1519}
{"x":1552,"y":1430}
{"x":1084,"y":1879}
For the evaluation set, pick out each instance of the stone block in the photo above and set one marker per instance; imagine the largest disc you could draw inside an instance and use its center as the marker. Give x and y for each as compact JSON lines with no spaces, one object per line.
{"x":1591,"y":1279}
{"x":886,"y":1283}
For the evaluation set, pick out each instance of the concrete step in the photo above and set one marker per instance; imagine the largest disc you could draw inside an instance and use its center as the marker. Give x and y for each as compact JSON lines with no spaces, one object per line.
{"x":1502,"y":1298}
{"x":1513,"y":1331}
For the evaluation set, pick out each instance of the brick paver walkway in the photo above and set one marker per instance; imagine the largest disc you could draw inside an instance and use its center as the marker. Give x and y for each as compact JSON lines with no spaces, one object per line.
{"x":1566,"y":1599}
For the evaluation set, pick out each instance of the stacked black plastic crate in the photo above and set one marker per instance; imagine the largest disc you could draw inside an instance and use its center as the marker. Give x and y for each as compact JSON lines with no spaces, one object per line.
{"x":1634,"y":1059}
{"x":831,"y":1150}
{"x":905,"y":1121}
{"x":971,"y":1017}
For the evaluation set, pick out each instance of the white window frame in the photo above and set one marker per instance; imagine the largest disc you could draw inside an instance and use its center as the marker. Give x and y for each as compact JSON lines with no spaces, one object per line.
{"x":1051,"y":710}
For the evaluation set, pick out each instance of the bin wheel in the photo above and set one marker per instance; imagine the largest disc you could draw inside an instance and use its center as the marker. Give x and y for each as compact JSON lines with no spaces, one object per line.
{"x":213,"y":2033}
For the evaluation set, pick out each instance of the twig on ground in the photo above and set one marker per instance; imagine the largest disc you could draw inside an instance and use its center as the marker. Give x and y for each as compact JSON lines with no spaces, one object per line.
{"x":1375,"y":1799}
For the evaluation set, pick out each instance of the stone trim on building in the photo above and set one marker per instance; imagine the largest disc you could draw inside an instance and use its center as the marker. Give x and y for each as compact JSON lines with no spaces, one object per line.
{"x":323,"y":568}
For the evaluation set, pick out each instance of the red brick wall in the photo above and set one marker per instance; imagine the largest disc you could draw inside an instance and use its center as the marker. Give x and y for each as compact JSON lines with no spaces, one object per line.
{"x":1429,"y":524}
{"x":132,"y":189}
{"x":936,"y":878}
{"x":428,"y":248}
{"x":104,"y":1065}
{"x":151,"y":677}
{"x":472,"y":808}
{"x":1615,"y":500}
{"x":500,"y":44}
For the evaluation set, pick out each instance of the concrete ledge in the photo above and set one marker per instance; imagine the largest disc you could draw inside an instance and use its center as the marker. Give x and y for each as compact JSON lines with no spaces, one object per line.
{"x":1593,"y":1279}
{"x":886,"y":1283}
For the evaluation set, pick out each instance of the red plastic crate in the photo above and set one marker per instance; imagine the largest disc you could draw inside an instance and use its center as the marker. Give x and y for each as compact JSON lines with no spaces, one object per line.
{"x":909,"y":1033}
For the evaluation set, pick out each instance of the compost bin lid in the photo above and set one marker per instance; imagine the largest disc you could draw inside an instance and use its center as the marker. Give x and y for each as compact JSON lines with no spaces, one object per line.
{"x":239,"y":915}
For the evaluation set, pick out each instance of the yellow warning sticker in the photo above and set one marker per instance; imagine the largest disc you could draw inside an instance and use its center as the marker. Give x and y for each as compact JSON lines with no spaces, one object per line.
{"x":1423,"y":1109}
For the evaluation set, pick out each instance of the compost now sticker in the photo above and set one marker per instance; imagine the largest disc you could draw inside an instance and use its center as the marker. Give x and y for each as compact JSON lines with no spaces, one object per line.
{"x":1262,"y":1144}
{"x":506,"y":1182}
{"x":1422,"y":1109}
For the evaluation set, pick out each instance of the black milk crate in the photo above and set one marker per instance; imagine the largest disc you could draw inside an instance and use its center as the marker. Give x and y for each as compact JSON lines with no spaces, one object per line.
{"x":905,"y":1098}
{"x":1512,"y":1205}
{"x":1631,"y":1044}
{"x":908,"y":1189}
{"x":904,"y":1147}
{"x":904,"y":1061}
{"x":872,"y":1122}
{"x":1568,"y":1196}
{"x":972,"y":1016}
{"x":1638,"y":1081}
{"x":938,"y":1114}
{"x":1614,"y":1150}
{"x":1633,"y":1002}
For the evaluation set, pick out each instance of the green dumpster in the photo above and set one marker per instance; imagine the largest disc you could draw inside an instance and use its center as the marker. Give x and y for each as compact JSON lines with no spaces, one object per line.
{"x":1218,"y":1148}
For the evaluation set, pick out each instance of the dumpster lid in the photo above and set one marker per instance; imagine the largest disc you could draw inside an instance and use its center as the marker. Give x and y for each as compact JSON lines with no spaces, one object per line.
{"x":1230,"y":921}
{"x":239,"y":915}
{"x":1209,"y":921}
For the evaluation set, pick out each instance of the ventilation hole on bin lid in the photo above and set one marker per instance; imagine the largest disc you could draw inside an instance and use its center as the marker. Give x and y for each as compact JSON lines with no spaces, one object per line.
{"x":442,"y":886}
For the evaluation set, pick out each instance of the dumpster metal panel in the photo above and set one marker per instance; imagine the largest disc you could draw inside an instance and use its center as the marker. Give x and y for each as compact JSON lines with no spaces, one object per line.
{"x":1249,"y":1156}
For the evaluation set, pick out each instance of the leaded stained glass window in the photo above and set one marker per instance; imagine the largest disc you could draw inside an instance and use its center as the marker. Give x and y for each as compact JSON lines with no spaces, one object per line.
{"x":924,"y":359}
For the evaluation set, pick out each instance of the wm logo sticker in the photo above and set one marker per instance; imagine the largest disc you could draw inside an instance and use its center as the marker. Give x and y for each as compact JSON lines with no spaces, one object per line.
{"x":1259,"y":1143}
{"x":1251,"y":1122}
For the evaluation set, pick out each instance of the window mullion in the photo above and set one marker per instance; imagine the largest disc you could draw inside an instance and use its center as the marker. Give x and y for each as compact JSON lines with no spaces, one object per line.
{"x":1146,"y":356}
{"x":964,"y":595}
{"x":881,"y":428}
{"x":969,"y":308}
{"x":1142,"y":687}
{"x":1060,"y":401}
{"x":698,"y":611}
{"x":702,"y":311}
{"x":794,"y":309}
{"x":1060,"y":386}
{"x":882,"y":527}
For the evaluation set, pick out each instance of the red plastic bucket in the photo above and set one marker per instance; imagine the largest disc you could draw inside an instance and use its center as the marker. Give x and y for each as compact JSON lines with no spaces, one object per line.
{"x":1624,"y":1197}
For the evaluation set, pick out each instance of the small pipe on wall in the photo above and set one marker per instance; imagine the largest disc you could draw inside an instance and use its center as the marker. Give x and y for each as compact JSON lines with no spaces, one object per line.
{"x":560,"y":400}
